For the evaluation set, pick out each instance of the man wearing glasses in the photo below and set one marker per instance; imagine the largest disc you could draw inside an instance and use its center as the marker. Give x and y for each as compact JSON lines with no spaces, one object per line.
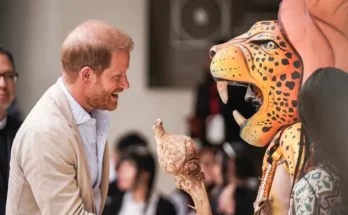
{"x":8,"y":124}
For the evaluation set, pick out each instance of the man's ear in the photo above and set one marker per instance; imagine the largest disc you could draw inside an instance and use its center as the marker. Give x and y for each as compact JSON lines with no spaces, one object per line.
{"x":86,"y":73}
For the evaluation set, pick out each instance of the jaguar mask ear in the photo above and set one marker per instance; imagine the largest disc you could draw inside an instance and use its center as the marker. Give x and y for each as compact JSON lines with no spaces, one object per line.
{"x":318,"y":30}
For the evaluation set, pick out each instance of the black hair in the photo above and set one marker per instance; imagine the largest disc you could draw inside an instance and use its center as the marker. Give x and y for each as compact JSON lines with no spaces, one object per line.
{"x":130,"y":139}
{"x":323,"y":105}
{"x":8,"y":54}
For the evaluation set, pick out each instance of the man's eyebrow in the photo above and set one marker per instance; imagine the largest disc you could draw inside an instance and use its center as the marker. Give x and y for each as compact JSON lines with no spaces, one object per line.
{"x":7,"y":71}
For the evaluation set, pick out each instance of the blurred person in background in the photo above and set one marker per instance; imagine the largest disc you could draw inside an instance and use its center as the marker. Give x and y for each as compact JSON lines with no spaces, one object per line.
{"x":240,"y":182}
{"x":60,"y":157}
{"x":127,"y":140}
{"x":210,"y":162}
{"x":207,"y":124}
{"x":9,"y":125}
{"x":207,"y":161}
{"x":136,"y":172}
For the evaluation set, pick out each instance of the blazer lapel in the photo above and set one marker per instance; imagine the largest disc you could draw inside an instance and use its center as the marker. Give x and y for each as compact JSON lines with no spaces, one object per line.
{"x":82,"y":152}
{"x":104,"y":184}
{"x":63,"y":105}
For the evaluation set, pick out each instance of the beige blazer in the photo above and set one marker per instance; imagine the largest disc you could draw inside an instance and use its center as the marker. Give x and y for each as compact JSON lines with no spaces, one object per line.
{"x":49,"y":172}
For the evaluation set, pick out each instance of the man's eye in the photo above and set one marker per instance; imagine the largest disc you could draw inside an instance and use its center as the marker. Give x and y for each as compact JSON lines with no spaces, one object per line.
{"x":11,"y":76}
{"x":120,"y":76}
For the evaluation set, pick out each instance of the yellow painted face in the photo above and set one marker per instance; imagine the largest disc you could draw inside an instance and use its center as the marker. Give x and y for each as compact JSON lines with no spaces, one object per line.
{"x":265,"y":61}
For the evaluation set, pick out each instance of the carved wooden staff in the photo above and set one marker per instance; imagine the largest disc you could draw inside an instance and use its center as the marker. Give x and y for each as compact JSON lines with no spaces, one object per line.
{"x":177,"y":155}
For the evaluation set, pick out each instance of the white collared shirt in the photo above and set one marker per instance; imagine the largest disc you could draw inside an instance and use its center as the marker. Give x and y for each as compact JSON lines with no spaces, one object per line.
{"x":93,"y":132}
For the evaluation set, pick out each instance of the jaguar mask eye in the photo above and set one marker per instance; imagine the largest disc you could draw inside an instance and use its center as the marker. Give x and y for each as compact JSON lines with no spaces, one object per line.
{"x":270,"y":45}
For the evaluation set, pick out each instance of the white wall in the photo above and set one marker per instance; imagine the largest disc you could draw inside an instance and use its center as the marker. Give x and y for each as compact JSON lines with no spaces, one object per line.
{"x":34,"y":31}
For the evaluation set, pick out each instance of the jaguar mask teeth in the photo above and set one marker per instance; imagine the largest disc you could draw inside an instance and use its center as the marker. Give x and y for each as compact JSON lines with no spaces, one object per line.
{"x":222,"y":88}
{"x":239,"y":118}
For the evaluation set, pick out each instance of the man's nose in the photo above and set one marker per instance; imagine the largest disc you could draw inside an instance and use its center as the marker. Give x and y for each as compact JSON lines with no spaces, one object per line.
{"x":125,"y":83}
{"x":3,"y":82}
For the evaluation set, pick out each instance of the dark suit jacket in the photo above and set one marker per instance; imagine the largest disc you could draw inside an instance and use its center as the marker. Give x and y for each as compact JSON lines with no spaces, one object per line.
{"x":11,"y":129}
